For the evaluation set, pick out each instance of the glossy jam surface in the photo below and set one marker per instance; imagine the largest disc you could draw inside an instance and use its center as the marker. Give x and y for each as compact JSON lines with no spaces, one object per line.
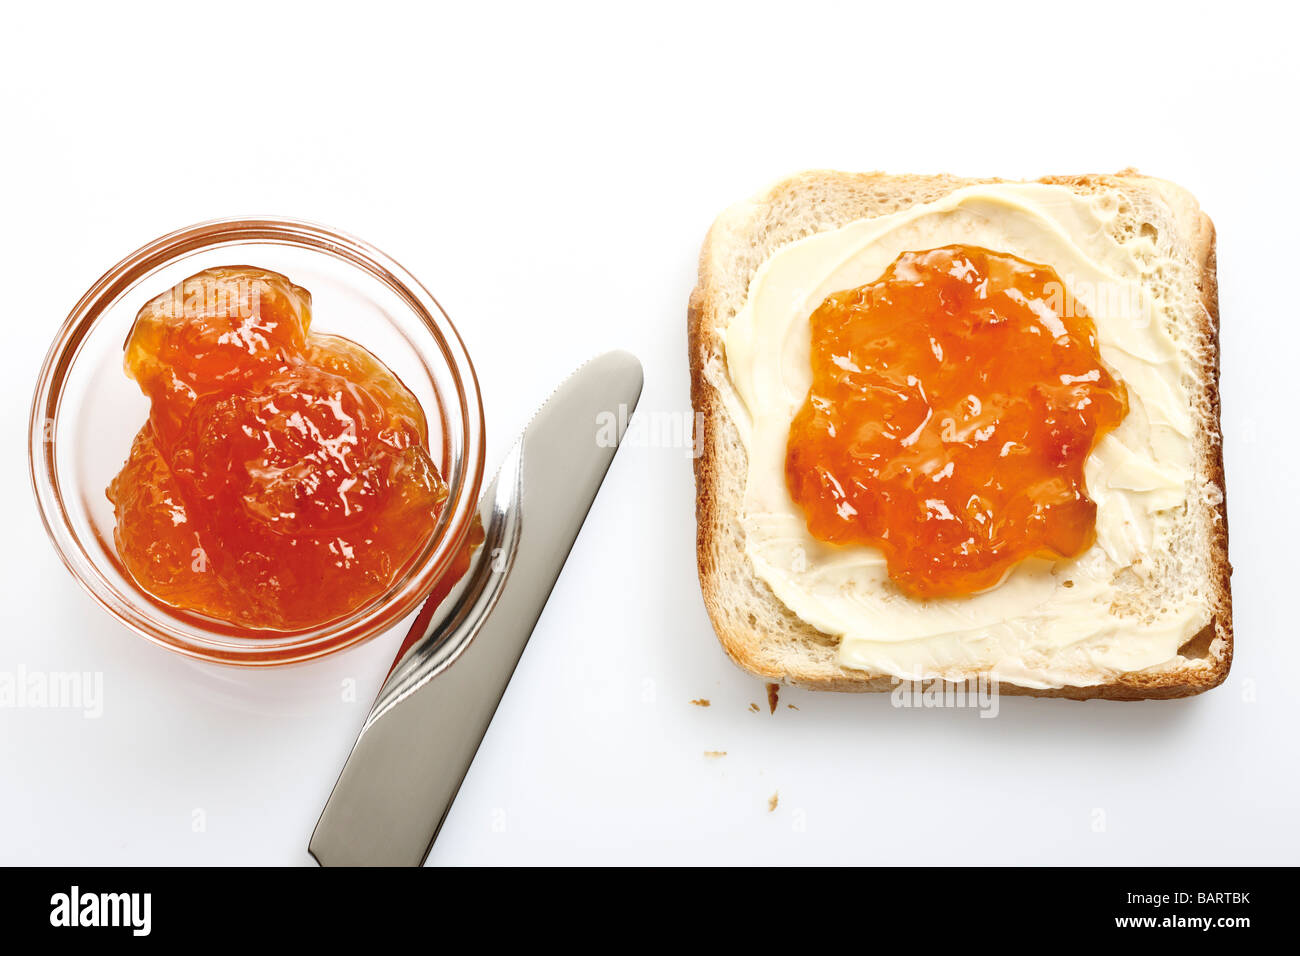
{"x":953,"y":406}
{"x":283,"y":479}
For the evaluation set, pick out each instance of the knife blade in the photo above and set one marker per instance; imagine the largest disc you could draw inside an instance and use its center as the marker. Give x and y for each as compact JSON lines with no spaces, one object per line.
{"x":435,"y":706}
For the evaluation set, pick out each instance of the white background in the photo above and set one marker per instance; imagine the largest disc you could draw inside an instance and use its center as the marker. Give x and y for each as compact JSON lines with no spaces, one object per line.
{"x":549,"y":172}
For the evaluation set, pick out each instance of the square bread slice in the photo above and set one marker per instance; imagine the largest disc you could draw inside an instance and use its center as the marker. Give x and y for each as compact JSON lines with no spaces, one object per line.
{"x":759,"y":632}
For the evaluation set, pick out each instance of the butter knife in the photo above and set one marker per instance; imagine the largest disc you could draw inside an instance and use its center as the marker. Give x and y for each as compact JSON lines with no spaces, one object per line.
{"x":435,"y":706}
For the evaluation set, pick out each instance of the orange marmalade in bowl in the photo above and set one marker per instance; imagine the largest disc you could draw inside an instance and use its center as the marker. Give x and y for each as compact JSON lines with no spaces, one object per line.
{"x":283,"y":478}
{"x":954,"y":403}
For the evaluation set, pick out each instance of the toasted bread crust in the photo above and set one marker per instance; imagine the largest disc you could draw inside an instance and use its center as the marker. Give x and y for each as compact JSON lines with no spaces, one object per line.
{"x":814,"y":666}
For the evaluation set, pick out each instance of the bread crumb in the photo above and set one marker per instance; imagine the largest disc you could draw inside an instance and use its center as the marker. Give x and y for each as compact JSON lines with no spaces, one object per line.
{"x":701,"y":702}
{"x":753,"y":708}
{"x":773,"y":693}
{"x":715,"y":753}
{"x":771,"y":801}
{"x":792,"y":706}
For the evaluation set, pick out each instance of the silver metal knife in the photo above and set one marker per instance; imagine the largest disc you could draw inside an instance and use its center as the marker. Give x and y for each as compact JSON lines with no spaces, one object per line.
{"x":432,"y":712}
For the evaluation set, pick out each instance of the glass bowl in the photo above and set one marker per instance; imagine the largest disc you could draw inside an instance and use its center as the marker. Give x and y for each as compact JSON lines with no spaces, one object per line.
{"x":86,"y":411}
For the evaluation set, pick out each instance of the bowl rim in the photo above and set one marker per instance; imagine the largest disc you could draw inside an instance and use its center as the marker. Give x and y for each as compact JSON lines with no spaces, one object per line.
{"x":463,"y":434}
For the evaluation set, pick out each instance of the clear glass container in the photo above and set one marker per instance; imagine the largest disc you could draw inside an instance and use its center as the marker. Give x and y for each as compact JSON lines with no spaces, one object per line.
{"x":86,"y":411}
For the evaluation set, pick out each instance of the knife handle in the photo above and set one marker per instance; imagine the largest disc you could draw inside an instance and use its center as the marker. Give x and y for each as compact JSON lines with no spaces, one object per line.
{"x":405,"y":769}
{"x":430,"y":716}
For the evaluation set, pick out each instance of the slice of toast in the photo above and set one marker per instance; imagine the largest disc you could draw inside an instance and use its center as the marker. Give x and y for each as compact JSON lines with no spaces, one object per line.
{"x":759,"y":632}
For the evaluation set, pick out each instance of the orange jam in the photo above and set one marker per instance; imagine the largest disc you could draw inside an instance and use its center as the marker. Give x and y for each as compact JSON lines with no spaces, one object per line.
{"x":283,"y":479}
{"x":954,"y":403}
